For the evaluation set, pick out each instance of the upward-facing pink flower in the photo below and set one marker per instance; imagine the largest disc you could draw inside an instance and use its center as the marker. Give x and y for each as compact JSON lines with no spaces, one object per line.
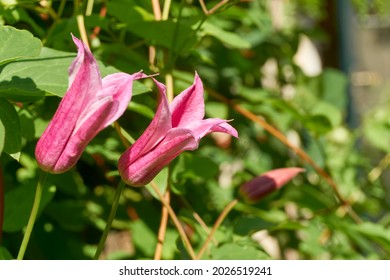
{"x":89,"y":105}
{"x":175,"y":128}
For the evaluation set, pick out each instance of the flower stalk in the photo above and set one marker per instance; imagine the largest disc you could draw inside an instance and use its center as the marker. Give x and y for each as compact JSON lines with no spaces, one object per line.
{"x":33,"y":215}
{"x":111,"y":217}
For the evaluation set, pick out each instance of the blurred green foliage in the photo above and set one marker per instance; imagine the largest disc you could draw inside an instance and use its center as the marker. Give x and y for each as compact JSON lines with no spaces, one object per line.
{"x":229,"y":49}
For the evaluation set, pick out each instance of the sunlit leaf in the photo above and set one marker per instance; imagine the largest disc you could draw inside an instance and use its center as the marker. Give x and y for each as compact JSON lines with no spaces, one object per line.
{"x":15,"y":44}
{"x":143,"y":237}
{"x":228,"y":38}
{"x":28,"y":80}
{"x":377,"y":129}
{"x":334,"y":84}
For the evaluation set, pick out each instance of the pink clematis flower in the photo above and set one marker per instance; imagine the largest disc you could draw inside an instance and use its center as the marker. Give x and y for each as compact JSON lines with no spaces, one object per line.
{"x":175,"y":128}
{"x":89,"y":105}
{"x":257,"y":188}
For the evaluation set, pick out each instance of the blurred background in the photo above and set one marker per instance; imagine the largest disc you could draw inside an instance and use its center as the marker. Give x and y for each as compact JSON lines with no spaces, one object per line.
{"x":305,"y":83}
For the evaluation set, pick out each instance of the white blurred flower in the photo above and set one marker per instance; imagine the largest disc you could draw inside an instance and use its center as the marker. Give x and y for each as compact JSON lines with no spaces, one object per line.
{"x":307,"y":57}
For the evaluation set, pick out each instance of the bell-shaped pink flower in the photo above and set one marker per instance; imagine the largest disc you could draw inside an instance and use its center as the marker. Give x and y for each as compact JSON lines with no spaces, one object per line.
{"x":260,"y":186}
{"x":89,"y":105}
{"x":175,"y":128}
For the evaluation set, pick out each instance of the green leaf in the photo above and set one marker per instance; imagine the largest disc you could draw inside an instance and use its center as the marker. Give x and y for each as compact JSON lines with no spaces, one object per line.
{"x":69,"y":214}
{"x":334,"y":84}
{"x":161,"y":182}
{"x":191,"y":167}
{"x":141,"y":109}
{"x":27,"y":125}
{"x":18,"y":203}
{"x":123,"y":57}
{"x":332,"y":113}
{"x":228,"y":38}
{"x":377,"y":129}
{"x":28,"y":80}
{"x":13,"y":14}
{"x":319,"y":124}
{"x":233,"y":251}
{"x":11,"y":124}
{"x":127,"y":11}
{"x":217,"y":110}
{"x":379,"y":135}
{"x":375,"y":232}
{"x":201,"y":167}
{"x":310,"y":240}
{"x":248,"y":225}
{"x":355,"y":237}
{"x":15,"y":44}
{"x":170,"y":248}
{"x":195,"y":167}
{"x":69,"y":183}
{"x":139,"y":88}
{"x":143,"y":237}
{"x":4,"y":254}
{"x":176,"y":36}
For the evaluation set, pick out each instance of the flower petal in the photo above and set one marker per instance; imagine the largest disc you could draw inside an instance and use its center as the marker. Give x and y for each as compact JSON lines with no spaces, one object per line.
{"x":158,"y":128}
{"x":78,"y":61}
{"x":139,"y":171}
{"x":225,"y":128}
{"x":85,"y":81}
{"x":81,"y":137}
{"x":84,"y":56}
{"x":109,"y":105}
{"x":188,"y":106}
{"x":119,"y":88}
{"x":204,"y":127}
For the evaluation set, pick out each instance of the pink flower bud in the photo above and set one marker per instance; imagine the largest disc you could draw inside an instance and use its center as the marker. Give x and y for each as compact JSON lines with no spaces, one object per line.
{"x":260,"y":186}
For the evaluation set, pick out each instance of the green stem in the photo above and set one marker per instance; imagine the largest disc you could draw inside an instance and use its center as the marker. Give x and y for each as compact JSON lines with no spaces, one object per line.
{"x":218,"y":222}
{"x":126,"y":140}
{"x":111,"y":217}
{"x":169,"y":85}
{"x":174,"y":55}
{"x":33,"y":215}
{"x":167,"y":6}
{"x":61,"y":8}
{"x":76,"y":5}
{"x":82,"y":30}
{"x":89,"y":9}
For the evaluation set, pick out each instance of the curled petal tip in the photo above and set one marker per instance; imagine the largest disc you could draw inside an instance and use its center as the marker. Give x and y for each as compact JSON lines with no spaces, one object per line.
{"x":227,"y":128}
